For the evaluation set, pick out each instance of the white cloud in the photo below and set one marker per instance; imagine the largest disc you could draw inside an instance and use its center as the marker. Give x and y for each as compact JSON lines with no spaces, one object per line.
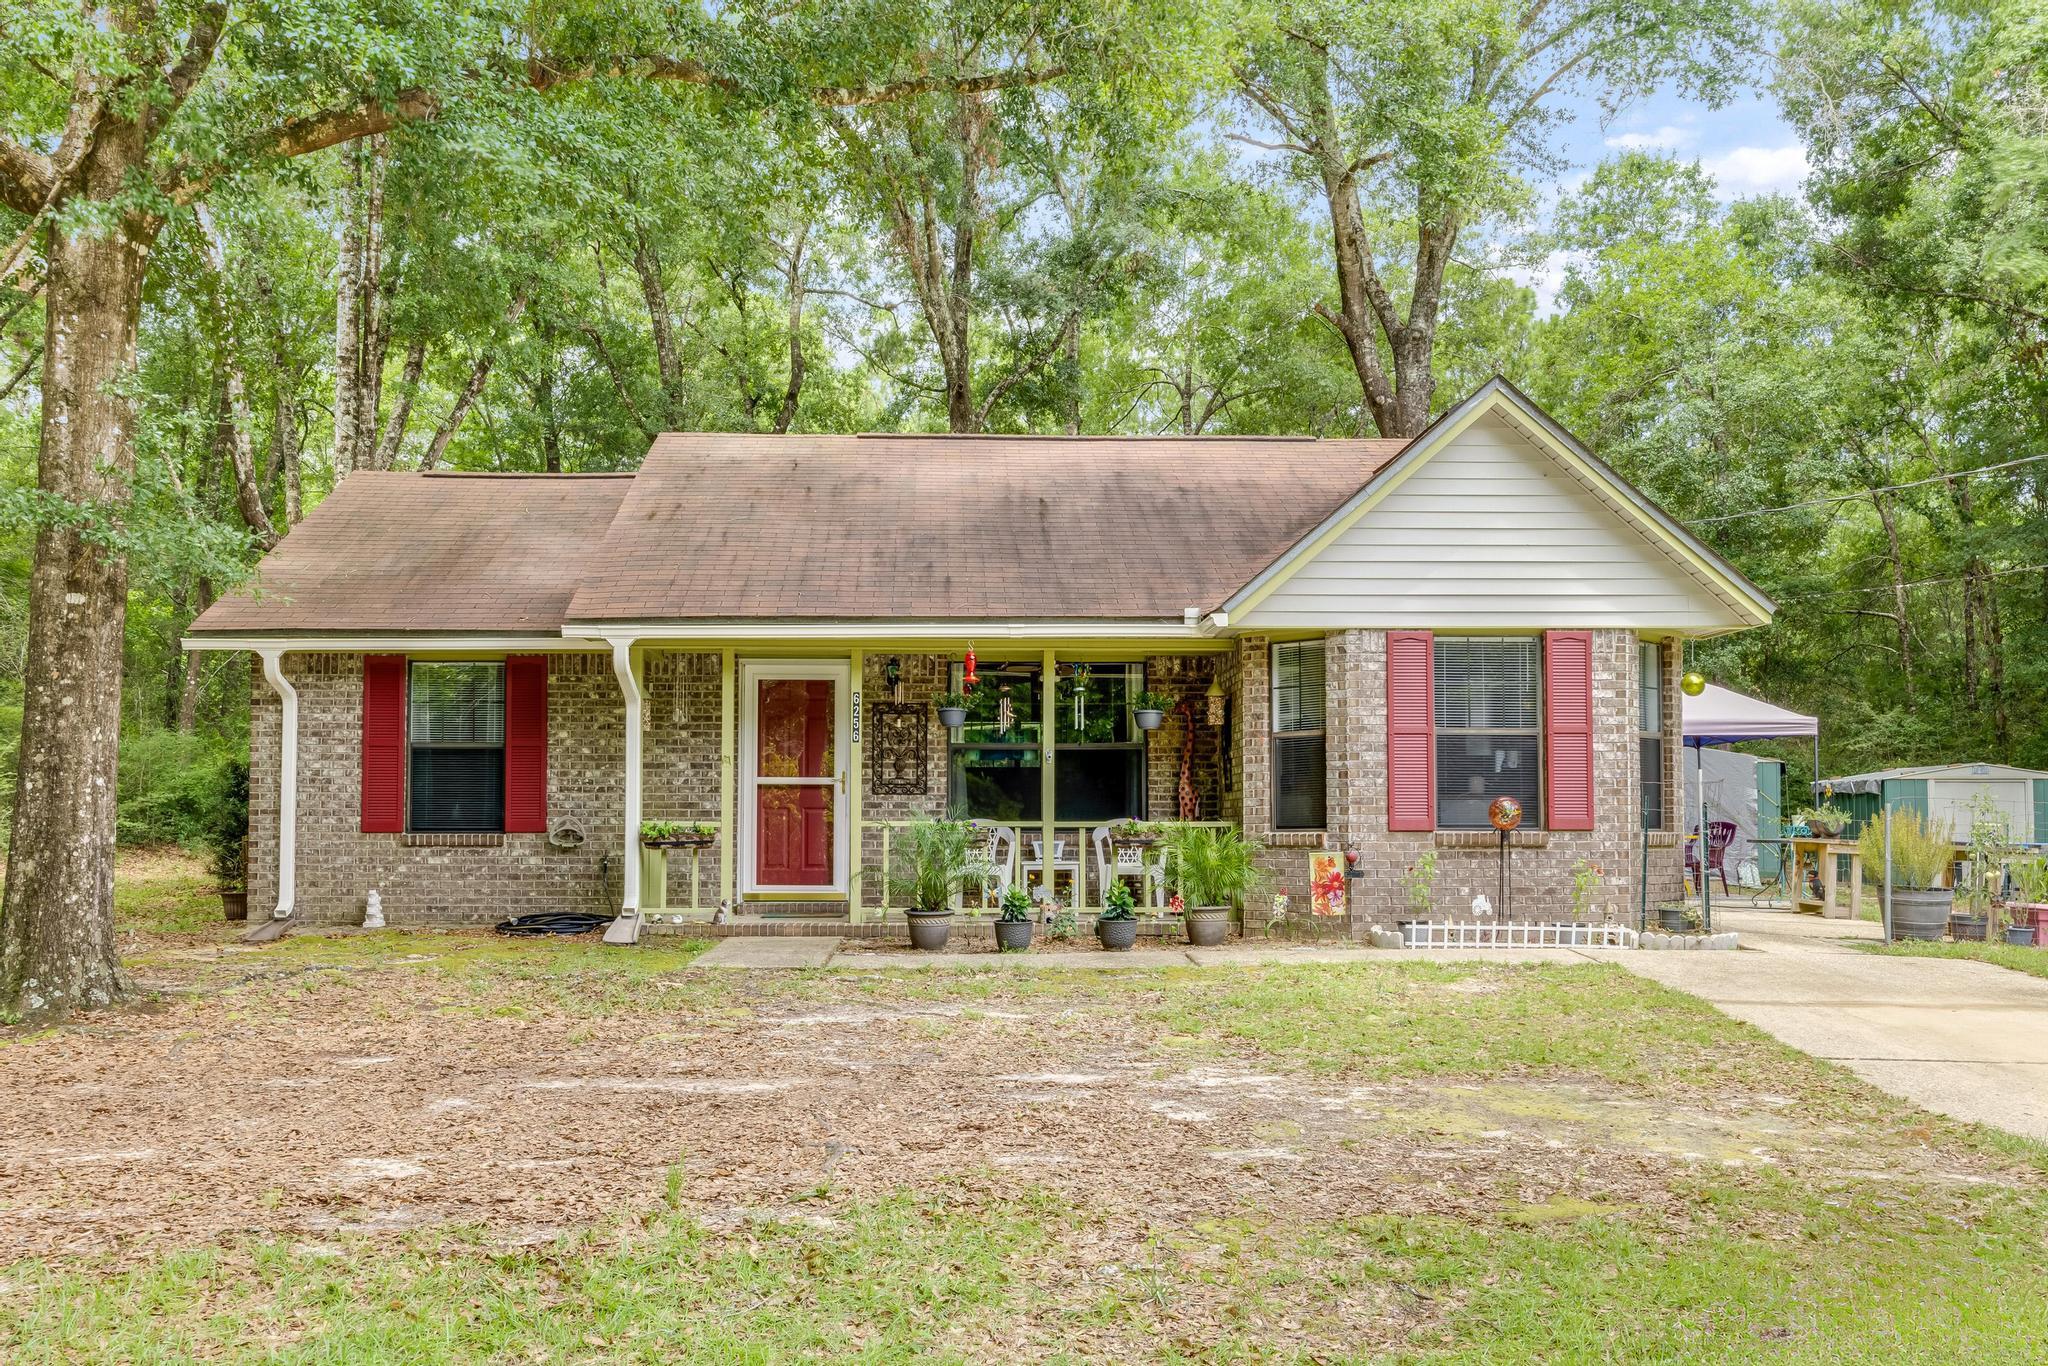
{"x":1745,"y":171}
{"x":1669,"y":138}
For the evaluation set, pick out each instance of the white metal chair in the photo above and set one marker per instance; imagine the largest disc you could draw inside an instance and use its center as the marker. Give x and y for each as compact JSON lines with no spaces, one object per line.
{"x":1121,"y":861}
{"x":1000,"y":854}
{"x":1035,"y":862}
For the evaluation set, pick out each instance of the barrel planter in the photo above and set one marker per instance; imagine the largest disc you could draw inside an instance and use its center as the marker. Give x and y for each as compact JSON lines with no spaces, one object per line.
{"x":1208,"y":926}
{"x":1921,"y":913}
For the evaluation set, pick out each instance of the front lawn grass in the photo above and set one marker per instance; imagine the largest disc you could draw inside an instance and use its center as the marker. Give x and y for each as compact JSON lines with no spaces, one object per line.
{"x":2019,"y":958}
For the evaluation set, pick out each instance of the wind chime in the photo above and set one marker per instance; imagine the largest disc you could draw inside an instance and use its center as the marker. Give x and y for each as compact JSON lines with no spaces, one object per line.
{"x":1006,"y":711}
{"x":1080,"y":697}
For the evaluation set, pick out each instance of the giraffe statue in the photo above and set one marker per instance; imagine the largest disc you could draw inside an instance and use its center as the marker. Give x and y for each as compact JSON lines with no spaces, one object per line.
{"x":1190,"y":804}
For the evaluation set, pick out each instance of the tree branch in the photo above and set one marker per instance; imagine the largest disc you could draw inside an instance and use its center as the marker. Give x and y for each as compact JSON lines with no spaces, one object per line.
{"x":26,"y":177}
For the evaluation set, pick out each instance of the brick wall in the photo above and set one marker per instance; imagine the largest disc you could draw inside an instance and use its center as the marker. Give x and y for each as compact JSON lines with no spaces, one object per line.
{"x":1467,"y":862}
{"x":463,"y":880}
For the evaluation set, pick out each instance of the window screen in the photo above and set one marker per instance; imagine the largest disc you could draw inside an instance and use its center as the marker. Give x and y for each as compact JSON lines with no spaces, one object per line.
{"x":1298,"y":702}
{"x":1651,"y":724}
{"x":1489,"y":736}
{"x":456,"y":726}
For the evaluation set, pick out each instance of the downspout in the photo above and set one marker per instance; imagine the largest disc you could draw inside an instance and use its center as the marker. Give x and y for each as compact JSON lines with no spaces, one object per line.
{"x":287,"y":781}
{"x":629,"y":685}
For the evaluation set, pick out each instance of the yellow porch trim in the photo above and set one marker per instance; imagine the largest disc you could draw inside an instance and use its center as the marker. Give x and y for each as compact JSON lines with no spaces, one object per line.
{"x":728,"y":777}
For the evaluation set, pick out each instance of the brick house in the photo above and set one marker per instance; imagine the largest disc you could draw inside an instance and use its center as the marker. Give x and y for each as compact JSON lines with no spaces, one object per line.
{"x":468,"y":691}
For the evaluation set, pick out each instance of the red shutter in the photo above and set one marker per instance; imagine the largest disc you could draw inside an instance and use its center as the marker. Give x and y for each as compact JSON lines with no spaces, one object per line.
{"x":1568,"y":730}
{"x":383,"y":744}
{"x":526,"y":744}
{"x":1411,"y":730}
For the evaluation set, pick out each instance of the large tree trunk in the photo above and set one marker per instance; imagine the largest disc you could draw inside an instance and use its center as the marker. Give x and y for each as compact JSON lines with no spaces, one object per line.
{"x":362,"y":326}
{"x":386,"y":454}
{"x":668,"y":358}
{"x":57,"y":949}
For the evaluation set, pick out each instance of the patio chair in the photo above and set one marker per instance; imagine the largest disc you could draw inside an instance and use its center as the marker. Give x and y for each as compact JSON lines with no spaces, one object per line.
{"x":1000,"y":855}
{"x":1112,"y":861}
{"x":1035,"y":862}
{"x":1720,"y":834}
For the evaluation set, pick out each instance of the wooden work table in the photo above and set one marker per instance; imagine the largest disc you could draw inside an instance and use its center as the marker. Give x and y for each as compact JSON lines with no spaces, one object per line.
{"x":1824,"y":852}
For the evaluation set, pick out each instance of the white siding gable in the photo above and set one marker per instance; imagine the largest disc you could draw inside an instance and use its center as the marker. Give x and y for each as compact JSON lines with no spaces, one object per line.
{"x":1494,"y":531}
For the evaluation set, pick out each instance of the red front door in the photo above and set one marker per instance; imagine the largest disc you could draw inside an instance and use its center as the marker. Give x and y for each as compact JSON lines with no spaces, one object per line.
{"x":796,"y":792}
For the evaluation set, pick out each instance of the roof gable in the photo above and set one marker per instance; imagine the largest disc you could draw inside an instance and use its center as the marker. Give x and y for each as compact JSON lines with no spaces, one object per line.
{"x":1496,"y":518}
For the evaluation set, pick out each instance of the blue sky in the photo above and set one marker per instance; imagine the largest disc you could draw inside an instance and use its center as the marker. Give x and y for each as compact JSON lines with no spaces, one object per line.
{"x":1743,"y":145}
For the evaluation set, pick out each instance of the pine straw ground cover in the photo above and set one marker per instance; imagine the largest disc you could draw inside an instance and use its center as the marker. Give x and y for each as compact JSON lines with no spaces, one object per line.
{"x":415,"y":1147}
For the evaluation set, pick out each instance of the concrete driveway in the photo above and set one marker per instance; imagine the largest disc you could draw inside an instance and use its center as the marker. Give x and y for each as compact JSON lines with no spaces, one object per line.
{"x":1964,"y":1039}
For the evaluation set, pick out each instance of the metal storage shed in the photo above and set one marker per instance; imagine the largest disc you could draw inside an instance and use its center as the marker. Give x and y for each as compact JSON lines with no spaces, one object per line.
{"x":1943,"y":792}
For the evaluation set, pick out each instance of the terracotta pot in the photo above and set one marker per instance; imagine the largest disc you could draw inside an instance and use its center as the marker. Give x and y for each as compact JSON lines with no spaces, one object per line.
{"x":1013,"y":935}
{"x":1208,"y":926}
{"x":234,"y":905}
{"x":929,"y":929}
{"x":1117,"y":934}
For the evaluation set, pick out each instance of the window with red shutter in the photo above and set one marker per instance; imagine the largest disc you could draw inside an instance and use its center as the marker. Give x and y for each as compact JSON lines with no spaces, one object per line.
{"x":526,"y":743}
{"x":1489,"y":728}
{"x":383,"y":744}
{"x":1568,"y":729}
{"x":1411,"y":736}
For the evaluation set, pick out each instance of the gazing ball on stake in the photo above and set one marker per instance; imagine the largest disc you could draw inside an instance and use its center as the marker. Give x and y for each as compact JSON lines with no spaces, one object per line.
{"x":1505,"y":813}
{"x":1693,"y":684}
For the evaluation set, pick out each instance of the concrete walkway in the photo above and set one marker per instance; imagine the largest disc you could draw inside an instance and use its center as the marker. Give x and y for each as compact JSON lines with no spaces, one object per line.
{"x":1964,"y":1039}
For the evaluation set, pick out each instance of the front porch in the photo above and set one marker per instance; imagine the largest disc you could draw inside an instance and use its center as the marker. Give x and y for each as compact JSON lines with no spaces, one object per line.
{"x":806,"y":767}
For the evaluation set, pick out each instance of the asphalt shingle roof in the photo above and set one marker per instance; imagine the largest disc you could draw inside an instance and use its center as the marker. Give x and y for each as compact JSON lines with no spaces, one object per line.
{"x":737,"y":527}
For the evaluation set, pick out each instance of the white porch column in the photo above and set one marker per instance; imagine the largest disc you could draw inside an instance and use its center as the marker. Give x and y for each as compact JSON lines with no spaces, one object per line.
{"x":287,"y":780}
{"x":629,"y":685}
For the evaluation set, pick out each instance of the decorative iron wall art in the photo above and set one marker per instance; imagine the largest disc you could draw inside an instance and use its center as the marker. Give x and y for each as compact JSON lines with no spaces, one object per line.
{"x":900,"y":734}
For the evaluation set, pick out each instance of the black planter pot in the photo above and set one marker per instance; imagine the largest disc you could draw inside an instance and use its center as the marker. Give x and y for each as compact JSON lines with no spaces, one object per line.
{"x":1921,"y":914}
{"x":1013,"y":935}
{"x":1673,"y":919}
{"x":929,"y":929}
{"x":1961,"y":928}
{"x":1148,"y":719}
{"x":2021,"y":935}
{"x":235,"y":906}
{"x":1208,"y":926}
{"x":952,"y":717}
{"x":1117,"y":934}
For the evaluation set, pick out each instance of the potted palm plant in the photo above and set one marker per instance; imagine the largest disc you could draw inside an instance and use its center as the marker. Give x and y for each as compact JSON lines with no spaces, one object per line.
{"x":1013,"y":923}
{"x":952,"y":709}
{"x":934,"y":861}
{"x":1922,"y":853}
{"x":1214,"y":868}
{"x":1117,"y":926}
{"x":1149,"y":709}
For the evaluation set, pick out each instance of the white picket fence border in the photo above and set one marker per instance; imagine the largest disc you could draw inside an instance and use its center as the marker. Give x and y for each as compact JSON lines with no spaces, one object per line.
{"x":1475,"y":934}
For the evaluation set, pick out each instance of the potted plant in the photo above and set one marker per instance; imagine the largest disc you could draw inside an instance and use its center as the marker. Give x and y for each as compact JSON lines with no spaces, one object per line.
{"x":227,"y":840}
{"x":1922,"y":854}
{"x":1823,"y":822}
{"x":952,"y":710}
{"x":1117,"y":926}
{"x":1214,"y":869}
{"x":1675,"y":917}
{"x":1149,"y":709}
{"x":935,"y":860}
{"x":1013,"y":923}
{"x":1138,"y":834}
{"x":1990,"y":845}
{"x":2030,"y":890}
{"x":677,"y":834}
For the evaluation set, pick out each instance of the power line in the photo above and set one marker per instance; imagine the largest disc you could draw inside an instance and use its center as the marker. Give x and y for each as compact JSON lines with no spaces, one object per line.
{"x":1915,"y":583}
{"x":1865,"y":493}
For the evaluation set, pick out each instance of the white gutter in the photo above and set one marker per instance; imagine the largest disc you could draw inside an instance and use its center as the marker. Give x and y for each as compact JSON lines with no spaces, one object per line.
{"x":629,"y":874}
{"x":891,"y":630}
{"x":396,"y":644}
{"x":287,"y":781}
